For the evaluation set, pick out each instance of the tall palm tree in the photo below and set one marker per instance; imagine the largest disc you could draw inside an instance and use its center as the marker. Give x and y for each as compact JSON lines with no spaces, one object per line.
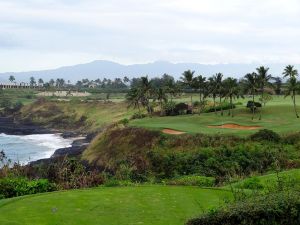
{"x":161,"y":96}
{"x":277,"y":85}
{"x":293,"y":85}
{"x":133,"y":97}
{"x":199,"y":84}
{"x":290,"y":72}
{"x":146,"y":91}
{"x":232,"y":91}
{"x":218,"y":80}
{"x":188,"y":79}
{"x":264,"y":80}
{"x":250,"y":85}
{"x":213,"y":90}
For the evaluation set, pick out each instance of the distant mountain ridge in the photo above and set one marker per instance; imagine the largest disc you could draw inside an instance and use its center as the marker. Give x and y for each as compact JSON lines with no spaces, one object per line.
{"x":108,"y":69}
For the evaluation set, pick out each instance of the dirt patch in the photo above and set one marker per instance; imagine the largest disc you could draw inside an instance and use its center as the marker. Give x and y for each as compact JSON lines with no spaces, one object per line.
{"x":235,"y":126}
{"x":173,"y":132}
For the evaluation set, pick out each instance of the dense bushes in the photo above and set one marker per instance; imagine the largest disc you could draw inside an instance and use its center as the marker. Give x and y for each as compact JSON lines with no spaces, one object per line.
{"x":266,"y":135}
{"x":220,"y":162}
{"x":272,"y":209}
{"x":12,"y":187}
{"x":193,"y":180}
{"x":224,"y":106}
{"x":146,"y":154}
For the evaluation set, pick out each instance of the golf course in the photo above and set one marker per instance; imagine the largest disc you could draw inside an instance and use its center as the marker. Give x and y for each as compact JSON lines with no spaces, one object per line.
{"x":277,"y":115}
{"x":149,"y":205}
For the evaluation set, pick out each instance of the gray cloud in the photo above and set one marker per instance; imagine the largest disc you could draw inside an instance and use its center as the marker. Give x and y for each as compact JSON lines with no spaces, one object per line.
{"x":58,"y":32}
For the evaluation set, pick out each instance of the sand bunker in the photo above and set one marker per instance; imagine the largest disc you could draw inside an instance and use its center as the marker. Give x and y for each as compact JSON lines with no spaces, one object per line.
{"x":173,"y":132}
{"x":236,"y":126}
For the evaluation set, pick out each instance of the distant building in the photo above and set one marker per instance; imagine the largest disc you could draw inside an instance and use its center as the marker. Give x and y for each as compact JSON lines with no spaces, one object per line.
{"x":16,"y":86}
{"x":92,"y":85}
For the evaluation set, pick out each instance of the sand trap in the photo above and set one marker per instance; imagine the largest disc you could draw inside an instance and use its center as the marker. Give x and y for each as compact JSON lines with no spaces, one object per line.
{"x":236,"y":126}
{"x":173,"y":132}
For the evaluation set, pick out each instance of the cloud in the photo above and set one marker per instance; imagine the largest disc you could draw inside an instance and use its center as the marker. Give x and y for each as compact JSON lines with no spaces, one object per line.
{"x":133,"y":31}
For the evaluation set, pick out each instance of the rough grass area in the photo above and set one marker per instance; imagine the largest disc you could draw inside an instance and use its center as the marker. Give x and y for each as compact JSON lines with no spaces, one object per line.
{"x":87,"y":116}
{"x":148,"y":205}
{"x":291,"y":177}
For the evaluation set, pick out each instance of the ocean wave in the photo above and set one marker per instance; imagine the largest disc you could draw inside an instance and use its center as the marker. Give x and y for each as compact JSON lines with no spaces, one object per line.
{"x":37,"y":146}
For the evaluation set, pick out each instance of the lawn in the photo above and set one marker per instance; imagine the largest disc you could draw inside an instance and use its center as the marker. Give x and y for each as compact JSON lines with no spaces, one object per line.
{"x":147,"y":205}
{"x":277,"y":115}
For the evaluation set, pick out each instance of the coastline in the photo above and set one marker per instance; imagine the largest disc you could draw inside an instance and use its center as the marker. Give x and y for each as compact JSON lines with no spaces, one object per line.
{"x":79,"y":143}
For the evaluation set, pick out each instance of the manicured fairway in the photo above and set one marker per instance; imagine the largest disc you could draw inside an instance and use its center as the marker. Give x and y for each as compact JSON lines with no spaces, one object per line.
{"x":148,"y":205}
{"x":277,"y":115}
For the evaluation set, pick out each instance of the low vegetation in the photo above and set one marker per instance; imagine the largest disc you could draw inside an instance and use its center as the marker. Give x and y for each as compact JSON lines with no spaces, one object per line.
{"x":141,"y":155}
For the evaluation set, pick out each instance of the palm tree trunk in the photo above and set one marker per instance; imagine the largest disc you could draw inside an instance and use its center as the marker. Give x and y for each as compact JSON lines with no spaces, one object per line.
{"x":215,"y":104}
{"x":231,"y":106}
{"x":262,"y":94}
{"x":294,"y":101}
{"x":221,"y":105}
{"x":200,"y":102}
{"x":192,"y":107}
{"x":253,"y":106}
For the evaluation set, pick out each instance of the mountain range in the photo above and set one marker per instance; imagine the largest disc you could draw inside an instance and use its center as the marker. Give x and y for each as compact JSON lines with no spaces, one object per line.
{"x":111,"y":70}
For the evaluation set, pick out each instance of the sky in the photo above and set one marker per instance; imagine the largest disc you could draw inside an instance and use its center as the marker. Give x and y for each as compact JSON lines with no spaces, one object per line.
{"x":45,"y":34}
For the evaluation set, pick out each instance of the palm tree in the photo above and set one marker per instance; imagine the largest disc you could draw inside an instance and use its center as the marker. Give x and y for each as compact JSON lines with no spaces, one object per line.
{"x":200,"y":83}
{"x":232,"y":91}
{"x":293,"y":85}
{"x":290,"y":72}
{"x":188,"y":79}
{"x":146,"y":91}
{"x":277,"y":85}
{"x":213,"y":90}
{"x":218,"y":80}
{"x":250,"y":84}
{"x":264,"y":80}
{"x":12,"y":78}
{"x":133,"y":97}
{"x":161,"y":97}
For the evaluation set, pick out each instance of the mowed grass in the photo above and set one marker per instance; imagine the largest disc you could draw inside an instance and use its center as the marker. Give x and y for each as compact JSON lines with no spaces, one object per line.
{"x":147,"y":205}
{"x":277,"y":115}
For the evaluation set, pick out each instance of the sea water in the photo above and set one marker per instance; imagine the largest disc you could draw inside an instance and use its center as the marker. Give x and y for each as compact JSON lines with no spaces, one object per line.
{"x":26,"y":148}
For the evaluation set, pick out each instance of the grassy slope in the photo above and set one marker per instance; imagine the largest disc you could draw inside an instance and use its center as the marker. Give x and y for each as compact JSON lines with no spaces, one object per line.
{"x":271,"y":178}
{"x":149,"y":205}
{"x":278,"y":115}
{"x":98,"y":114}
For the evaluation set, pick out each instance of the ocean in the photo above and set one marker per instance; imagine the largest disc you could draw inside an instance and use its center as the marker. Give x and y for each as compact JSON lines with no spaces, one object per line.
{"x":26,"y":148}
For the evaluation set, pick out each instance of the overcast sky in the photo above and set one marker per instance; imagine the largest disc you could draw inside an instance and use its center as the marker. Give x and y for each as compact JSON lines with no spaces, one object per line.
{"x":41,"y":34}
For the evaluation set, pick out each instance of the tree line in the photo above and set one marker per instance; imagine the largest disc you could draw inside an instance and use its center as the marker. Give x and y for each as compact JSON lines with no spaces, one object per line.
{"x":145,"y":92}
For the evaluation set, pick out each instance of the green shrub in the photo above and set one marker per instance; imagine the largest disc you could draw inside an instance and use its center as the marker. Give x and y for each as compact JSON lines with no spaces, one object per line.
{"x":124,"y":121}
{"x":224,"y":106}
{"x":119,"y":183}
{"x":292,"y":139}
{"x":251,"y":183}
{"x":193,"y":180}
{"x":273,"y":209}
{"x":138,"y":116}
{"x":265,"y":135}
{"x":13,"y":187}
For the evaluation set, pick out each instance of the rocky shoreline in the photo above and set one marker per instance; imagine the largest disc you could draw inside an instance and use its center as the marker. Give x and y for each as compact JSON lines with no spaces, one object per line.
{"x":80,"y":142}
{"x":9,"y":126}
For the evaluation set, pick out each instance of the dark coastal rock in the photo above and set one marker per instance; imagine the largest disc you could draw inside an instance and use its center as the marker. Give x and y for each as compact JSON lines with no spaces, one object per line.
{"x":71,"y":151}
{"x":9,"y":126}
{"x":77,"y":148}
